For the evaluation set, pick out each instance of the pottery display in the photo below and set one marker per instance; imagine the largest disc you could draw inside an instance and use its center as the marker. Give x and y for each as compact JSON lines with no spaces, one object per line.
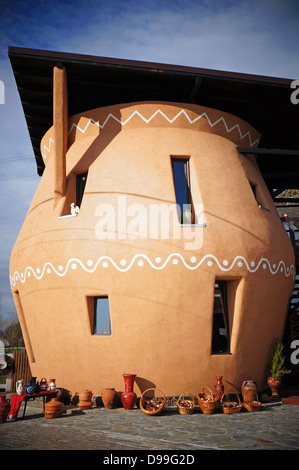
{"x":20,"y":389}
{"x":109,"y":397}
{"x":4,"y":408}
{"x":53,"y":409}
{"x":250,"y":389}
{"x":129,"y":397}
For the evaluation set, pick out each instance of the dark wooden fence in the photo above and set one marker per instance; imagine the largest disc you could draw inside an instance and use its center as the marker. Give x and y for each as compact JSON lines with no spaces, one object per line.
{"x":21,"y":368}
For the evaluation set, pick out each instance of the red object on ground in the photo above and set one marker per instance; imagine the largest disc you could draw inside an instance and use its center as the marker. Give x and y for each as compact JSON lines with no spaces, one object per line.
{"x":16,"y":400}
{"x":294,"y":400}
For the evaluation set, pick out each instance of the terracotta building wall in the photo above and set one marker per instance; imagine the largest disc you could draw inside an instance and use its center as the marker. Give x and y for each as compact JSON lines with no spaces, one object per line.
{"x":161,"y":291}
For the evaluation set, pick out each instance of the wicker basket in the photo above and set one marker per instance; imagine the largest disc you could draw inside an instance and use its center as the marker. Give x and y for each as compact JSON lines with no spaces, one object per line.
{"x":254,"y":405}
{"x":206,"y":401}
{"x":231,"y":407}
{"x":185,"y":407}
{"x":152,"y":406}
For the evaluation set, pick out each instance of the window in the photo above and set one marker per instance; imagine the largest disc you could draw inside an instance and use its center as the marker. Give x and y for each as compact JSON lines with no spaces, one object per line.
{"x":253,"y":187}
{"x":101,"y":325}
{"x":220,"y":339}
{"x":80,"y":186}
{"x":181,"y":179}
{"x":254,"y":190}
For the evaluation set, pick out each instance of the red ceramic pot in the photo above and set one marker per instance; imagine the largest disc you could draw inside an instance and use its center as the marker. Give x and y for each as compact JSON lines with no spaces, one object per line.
{"x":4,"y":408}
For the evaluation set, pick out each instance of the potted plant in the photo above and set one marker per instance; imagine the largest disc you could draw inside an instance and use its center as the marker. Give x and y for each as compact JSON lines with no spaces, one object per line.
{"x":277,"y":369}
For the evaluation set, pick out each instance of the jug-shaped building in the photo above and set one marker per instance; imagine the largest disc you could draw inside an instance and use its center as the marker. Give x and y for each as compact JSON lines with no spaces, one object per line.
{"x":152,"y":246}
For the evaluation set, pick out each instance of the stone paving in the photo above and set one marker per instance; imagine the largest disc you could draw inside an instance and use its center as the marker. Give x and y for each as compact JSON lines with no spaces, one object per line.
{"x":275,"y":427}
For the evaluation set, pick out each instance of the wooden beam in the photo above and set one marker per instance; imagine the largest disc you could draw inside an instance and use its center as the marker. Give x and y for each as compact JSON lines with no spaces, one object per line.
{"x":269,"y":152}
{"x":60,"y":124}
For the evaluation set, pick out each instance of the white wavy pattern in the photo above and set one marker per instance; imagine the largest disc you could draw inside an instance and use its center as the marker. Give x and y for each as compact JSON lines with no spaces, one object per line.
{"x":171,"y":121}
{"x":141,"y":259}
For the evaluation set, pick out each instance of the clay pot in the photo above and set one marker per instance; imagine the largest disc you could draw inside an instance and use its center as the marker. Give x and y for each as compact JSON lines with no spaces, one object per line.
{"x":4,"y":408}
{"x":85,"y":395}
{"x":109,"y":397}
{"x":249,"y":389}
{"x":129,"y":397}
{"x":219,"y":388}
{"x":53,"y":409}
{"x":85,"y":402}
{"x":274,"y":384}
{"x":75,"y":399}
{"x":43,"y":384}
{"x":63,"y":396}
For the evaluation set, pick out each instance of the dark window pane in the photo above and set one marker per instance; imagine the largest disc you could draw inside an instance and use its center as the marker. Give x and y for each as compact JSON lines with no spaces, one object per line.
{"x":220,"y":340}
{"x":80,"y":187}
{"x":253,"y":187}
{"x":181,"y":179}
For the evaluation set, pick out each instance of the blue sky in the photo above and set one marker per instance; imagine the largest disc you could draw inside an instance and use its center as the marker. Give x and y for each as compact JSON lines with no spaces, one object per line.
{"x":255,"y":36}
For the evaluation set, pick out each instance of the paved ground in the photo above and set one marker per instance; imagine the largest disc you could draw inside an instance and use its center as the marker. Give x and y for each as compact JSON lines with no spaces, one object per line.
{"x":275,"y":427}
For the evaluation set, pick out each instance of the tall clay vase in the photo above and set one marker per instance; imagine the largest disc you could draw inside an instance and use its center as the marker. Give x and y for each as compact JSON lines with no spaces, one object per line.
{"x":129,"y":397}
{"x":219,"y":388}
{"x":4,"y":408}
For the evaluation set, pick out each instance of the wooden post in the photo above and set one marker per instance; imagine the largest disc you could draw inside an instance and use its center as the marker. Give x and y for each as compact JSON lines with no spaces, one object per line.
{"x":60,"y":123}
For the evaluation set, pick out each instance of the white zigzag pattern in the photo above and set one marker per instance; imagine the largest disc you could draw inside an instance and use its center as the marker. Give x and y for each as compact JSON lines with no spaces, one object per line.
{"x":47,"y":148}
{"x":171,"y":121}
{"x":74,"y":262}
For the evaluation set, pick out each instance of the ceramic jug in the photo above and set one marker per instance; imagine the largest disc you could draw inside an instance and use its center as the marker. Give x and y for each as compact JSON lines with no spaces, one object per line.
{"x":20,"y":387}
{"x":52,"y":385}
{"x":31,"y":386}
{"x":43,"y":384}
